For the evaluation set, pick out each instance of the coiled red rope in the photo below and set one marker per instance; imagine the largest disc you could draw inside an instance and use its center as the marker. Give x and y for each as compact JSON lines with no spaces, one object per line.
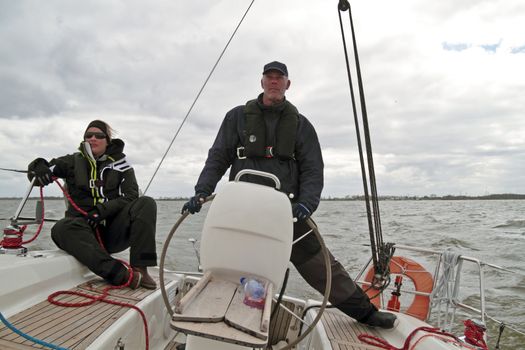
{"x":474,"y":334}
{"x":383,"y":344}
{"x":102,"y":298}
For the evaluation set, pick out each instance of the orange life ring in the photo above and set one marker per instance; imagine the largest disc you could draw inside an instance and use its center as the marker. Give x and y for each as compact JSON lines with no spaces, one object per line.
{"x":422,"y":279}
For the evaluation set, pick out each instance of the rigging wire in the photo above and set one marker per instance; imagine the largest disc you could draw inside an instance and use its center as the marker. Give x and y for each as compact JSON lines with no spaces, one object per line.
{"x":381,"y":252}
{"x":198,"y":95}
{"x":14,"y":170}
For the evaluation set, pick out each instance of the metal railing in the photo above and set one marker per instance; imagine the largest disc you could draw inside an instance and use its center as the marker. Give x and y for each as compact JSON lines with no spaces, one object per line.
{"x":444,"y":308}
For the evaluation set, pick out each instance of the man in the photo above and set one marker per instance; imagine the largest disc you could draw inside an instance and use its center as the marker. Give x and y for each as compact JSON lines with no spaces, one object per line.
{"x":268,"y":134}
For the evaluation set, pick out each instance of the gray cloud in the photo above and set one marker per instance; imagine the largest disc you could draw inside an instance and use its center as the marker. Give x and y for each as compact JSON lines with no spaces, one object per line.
{"x":442,"y":121}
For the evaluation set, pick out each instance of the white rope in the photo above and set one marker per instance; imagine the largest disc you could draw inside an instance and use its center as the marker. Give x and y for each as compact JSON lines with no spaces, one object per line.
{"x":445,"y":286}
{"x":443,"y":292}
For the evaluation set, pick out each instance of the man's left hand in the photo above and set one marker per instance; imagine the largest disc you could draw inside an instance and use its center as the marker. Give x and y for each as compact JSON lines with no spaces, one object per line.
{"x":93,"y":218}
{"x":300,"y":211}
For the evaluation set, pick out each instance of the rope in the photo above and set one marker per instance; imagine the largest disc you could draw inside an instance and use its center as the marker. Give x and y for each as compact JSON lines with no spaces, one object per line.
{"x":442,"y":297}
{"x":28,"y":337}
{"x":383,"y":344}
{"x":443,"y":288}
{"x":358,"y":136}
{"x":102,"y":298}
{"x":381,"y":253}
{"x":17,"y":241}
{"x":474,"y":334}
{"x":42,"y":222}
{"x":83,"y":212}
{"x":197,"y":97}
{"x":13,"y":242}
{"x":444,"y":339}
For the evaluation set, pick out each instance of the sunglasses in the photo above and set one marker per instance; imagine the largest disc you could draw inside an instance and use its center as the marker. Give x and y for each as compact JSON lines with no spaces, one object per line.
{"x":98,"y":135}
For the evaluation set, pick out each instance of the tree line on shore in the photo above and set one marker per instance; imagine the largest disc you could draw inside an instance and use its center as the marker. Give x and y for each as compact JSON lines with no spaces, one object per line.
{"x":507,"y":196}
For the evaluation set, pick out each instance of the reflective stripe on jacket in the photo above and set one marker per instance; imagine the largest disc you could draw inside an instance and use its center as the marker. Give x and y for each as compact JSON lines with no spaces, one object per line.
{"x":108,"y":183}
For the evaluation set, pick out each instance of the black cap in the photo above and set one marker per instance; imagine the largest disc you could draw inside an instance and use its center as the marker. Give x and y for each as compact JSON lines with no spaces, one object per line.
{"x":278,"y":66}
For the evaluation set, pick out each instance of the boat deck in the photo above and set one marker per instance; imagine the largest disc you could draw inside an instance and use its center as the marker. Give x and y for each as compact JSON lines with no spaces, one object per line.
{"x":342,"y":331}
{"x":69,"y":327}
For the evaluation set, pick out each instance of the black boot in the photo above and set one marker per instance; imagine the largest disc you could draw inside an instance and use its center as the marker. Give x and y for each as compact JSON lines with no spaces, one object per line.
{"x":380,"y":319}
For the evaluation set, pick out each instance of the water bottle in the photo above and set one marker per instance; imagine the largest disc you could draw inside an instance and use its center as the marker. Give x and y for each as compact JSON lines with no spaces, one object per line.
{"x":254,"y":292}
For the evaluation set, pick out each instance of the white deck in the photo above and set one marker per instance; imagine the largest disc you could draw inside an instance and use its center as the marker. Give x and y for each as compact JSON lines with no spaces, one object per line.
{"x":340,"y":332}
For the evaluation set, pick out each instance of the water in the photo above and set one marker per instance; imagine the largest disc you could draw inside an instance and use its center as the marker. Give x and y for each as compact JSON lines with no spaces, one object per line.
{"x":492,"y":231}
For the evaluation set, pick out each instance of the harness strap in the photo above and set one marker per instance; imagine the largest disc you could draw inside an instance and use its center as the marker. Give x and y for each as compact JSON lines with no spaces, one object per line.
{"x":255,"y":143}
{"x":268,"y":152}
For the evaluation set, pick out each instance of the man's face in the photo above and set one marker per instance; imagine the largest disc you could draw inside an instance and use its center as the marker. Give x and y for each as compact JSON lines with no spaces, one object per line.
{"x":274,"y":85}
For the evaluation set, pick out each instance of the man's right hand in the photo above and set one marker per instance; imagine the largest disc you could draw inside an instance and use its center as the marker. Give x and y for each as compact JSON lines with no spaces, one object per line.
{"x":39,"y":169}
{"x":194,"y":205}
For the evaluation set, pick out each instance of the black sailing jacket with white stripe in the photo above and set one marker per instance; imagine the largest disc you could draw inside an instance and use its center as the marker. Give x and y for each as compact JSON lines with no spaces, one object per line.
{"x":107,"y":183}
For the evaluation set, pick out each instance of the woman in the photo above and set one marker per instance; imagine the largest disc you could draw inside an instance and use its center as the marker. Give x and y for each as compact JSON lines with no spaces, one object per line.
{"x":103,"y":184}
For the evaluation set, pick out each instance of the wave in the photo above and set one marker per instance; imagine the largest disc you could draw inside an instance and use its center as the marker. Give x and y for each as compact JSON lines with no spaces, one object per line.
{"x":449,"y":242}
{"x":512,"y":223}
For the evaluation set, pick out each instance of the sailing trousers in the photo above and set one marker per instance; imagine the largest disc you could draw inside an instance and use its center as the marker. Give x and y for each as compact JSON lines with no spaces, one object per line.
{"x":133,"y":227}
{"x":345,"y":294}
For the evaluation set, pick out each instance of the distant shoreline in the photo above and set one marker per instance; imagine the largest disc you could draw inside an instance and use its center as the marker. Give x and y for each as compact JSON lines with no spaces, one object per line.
{"x":502,"y":196}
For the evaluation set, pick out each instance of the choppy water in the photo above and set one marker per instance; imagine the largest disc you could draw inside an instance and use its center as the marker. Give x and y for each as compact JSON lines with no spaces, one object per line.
{"x":492,"y":231}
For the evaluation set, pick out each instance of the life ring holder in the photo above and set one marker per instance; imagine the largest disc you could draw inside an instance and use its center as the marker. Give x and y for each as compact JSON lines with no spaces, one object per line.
{"x":420,"y":277}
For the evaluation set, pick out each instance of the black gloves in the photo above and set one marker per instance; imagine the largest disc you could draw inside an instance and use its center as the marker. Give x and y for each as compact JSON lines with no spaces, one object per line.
{"x":39,"y":169}
{"x":93,"y":218}
{"x":194,"y":205}
{"x":300,"y":211}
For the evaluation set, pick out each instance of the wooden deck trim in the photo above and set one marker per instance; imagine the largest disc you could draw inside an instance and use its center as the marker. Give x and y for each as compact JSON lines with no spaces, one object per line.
{"x":192,"y":293}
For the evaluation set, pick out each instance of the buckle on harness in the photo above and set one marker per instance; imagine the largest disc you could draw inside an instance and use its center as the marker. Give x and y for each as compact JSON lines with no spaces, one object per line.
{"x":95,"y":183}
{"x":268,"y":152}
{"x":240,"y":152}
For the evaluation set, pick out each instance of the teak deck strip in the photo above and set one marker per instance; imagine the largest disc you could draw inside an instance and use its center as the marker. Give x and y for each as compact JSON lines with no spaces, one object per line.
{"x":342,"y":331}
{"x":69,"y":327}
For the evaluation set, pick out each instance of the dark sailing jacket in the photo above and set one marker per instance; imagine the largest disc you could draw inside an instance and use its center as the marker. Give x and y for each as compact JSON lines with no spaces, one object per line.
{"x":107,"y":183}
{"x":301,"y":175}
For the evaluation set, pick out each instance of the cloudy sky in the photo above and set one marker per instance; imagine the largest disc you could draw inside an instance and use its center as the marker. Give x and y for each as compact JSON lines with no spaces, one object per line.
{"x":444,"y":84}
